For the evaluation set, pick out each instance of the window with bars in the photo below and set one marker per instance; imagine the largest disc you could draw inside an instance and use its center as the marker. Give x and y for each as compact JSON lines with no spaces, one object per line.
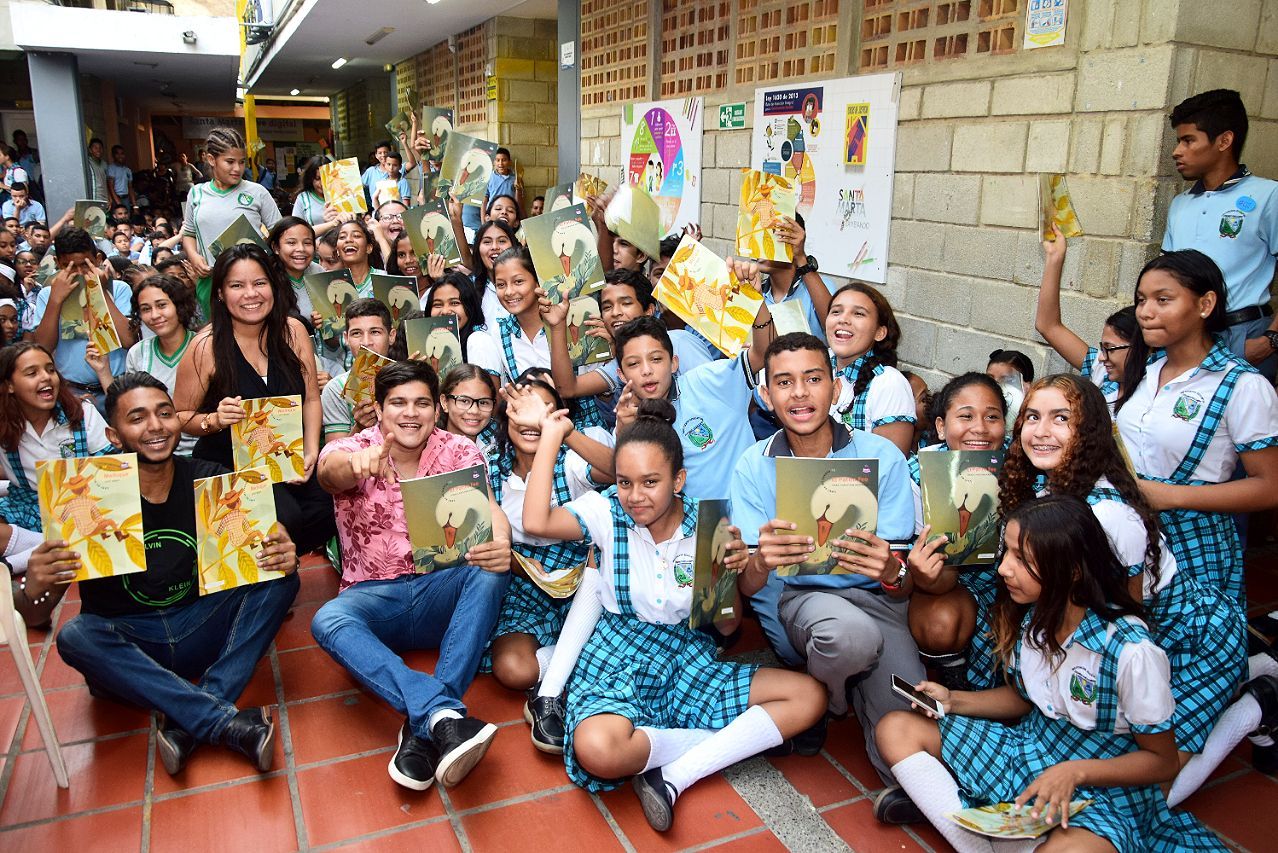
{"x":614,"y":51}
{"x":895,"y":33}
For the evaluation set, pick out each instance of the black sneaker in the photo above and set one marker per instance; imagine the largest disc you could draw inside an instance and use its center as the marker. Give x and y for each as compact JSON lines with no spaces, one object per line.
{"x":657,"y":797}
{"x":251,"y":733}
{"x":546,"y":715}
{"x":461,"y":741}
{"x":893,"y":805}
{"x":1265,"y":691}
{"x":174,"y":745}
{"x":413,"y":764}
{"x":811,"y":741}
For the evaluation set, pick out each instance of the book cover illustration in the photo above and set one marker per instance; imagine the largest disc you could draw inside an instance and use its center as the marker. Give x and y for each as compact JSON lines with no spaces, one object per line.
{"x":825,"y":497}
{"x":387,"y":190}
{"x":789,"y":316}
{"x":435,"y":340}
{"x":331,"y":294}
{"x":635,"y":217}
{"x":234,"y":513}
{"x":239,"y":231}
{"x":342,"y":187}
{"x":565,"y":252}
{"x":960,"y":500}
{"x":47,"y":268}
{"x":856,"y":141}
{"x":84,"y":315}
{"x":396,"y":292}
{"x":437,"y":124}
{"x":1057,"y":208}
{"x":765,"y":198}
{"x":704,"y":293}
{"x":558,"y":196}
{"x":588,"y":186}
{"x":448,"y":514}
{"x":468,"y":164}
{"x":91,"y":215}
{"x":359,"y":382}
{"x":430,"y":232}
{"x":585,"y":349}
{"x":270,"y":437}
{"x":1006,"y":820}
{"x":93,"y":504}
{"x":714,"y":588}
{"x":399,"y":125}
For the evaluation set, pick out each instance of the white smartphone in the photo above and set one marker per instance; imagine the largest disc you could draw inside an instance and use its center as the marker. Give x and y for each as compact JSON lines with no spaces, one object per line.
{"x":916,"y":696}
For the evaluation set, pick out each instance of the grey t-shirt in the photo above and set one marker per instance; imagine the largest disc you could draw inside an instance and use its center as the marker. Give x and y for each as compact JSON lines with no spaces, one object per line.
{"x":338,"y":414}
{"x":210,"y":211}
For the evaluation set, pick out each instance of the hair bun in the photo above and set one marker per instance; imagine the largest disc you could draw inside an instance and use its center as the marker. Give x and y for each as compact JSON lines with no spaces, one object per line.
{"x":658,"y":409}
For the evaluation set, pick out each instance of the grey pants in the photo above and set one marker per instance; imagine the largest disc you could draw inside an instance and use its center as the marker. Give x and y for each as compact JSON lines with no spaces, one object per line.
{"x":856,"y":634}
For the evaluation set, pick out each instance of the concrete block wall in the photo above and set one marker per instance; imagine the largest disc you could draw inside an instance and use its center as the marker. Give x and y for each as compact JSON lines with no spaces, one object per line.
{"x":526,"y":113}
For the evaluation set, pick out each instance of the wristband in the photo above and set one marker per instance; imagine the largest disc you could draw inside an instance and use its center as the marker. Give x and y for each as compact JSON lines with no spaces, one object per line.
{"x":900,"y":575}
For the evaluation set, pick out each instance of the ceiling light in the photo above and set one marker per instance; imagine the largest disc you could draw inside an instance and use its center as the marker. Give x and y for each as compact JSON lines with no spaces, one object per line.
{"x":339,"y":62}
{"x":432,"y":2}
{"x":295,"y":92}
{"x":378,"y":36}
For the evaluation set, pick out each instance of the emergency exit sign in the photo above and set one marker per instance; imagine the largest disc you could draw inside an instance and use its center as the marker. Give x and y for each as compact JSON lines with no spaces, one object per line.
{"x":731,"y":116}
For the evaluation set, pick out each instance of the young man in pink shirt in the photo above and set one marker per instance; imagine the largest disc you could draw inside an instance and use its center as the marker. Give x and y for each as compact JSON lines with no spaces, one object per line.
{"x":385,"y":607}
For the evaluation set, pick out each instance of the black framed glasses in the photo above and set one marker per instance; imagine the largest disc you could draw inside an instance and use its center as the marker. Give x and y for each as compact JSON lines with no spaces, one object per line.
{"x":485,"y":404}
{"x":1107,"y":350}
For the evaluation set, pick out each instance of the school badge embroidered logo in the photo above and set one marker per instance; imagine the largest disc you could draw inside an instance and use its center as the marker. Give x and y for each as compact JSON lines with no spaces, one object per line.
{"x":245,"y":199}
{"x":1187,"y":407}
{"x":1082,"y":686}
{"x":1231,"y":224}
{"x":697,"y":431}
{"x":683,"y":571}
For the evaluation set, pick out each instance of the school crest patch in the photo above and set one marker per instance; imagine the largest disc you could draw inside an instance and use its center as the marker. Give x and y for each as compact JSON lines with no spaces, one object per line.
{"x":1231,"y":223}
{"x":683,"y":571}
{"x":698,"y":433}
{"x":244,"y":199}
{"x":1188,"y":405}
{"x":1082,"y":686}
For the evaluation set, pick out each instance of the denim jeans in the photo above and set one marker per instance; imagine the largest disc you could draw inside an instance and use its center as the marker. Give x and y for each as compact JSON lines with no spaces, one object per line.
{"x":369,"y":623}
{"x":1236,"y":337}
{"x":149,"y":659}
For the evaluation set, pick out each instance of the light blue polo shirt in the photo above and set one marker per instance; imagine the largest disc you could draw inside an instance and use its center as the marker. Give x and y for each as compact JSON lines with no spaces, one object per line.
{"x":687,"y":349}
{"x":1236,"y":226}
{"x":711,"y":419}
{"x":69,"y":355}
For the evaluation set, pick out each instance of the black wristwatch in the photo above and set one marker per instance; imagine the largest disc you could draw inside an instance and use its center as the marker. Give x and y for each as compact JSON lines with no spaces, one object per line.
{"x":810,"y":266}
{"x":1272,"y":337}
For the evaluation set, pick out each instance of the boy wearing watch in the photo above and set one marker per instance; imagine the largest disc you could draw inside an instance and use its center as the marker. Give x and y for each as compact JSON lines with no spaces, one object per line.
{"x":799,"y":280}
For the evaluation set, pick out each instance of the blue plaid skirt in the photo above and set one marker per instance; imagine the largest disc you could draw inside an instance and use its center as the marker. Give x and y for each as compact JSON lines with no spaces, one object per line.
{"x":994,"y":762}
{"x":662,"y":676}
{"x":525,"y":609}
{"x":1206,"y":545}
{"x":983,"y":669}
{"x":21,"y":508}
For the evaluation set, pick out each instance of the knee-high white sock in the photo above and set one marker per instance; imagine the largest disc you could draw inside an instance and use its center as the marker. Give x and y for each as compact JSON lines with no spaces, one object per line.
{"x":1239,"y":718}
{"x":1262,"y":664}
{"x":544,"y":654}
{"x":747,"y":735}
{"x":935,"y":792}
{"x":669,"y":744}
{"x":580,"y":624}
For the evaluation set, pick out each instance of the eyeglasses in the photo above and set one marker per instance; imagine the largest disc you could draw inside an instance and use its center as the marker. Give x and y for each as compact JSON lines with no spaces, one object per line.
{"x":1107,"y":350}
{"x":391,"y":217}
{"x":485,"y":404}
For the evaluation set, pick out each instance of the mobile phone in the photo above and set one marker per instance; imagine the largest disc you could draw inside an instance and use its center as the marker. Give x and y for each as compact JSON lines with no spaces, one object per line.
{"x":916,"y":696}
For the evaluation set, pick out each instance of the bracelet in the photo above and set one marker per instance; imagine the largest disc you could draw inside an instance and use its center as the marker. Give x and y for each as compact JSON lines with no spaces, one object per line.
{"x":761,"y":325}
{"x":22,"y":587}
{"x":900,"y":576}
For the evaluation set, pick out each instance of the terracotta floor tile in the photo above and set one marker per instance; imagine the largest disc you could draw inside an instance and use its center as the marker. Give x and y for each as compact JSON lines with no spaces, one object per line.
{"x":295,"y":631}
{"x":313,"y":672}
{"x":110,"y":832}
{"x":435,"y":838}
{"x":489,"y":701}
{"x":261,"y":687}
{"x":79,"y":716}
{"x":561,"y":822}
{"x":751,"y":639}
{"x":68,"y":611}
{"x":58,"y":673}
{"x":330,"y":728}
{"x":929,"y":835}
{"x":10,"y":713}
{"x":856,"y":825}
{"x":422,"y":660}
{"x":1231,"y":809}
{"x":210,"y":765}
{"x":512,"y":767}
{"x":759,"y":842}
{"x":816,"y":778}
{"x":708,"y":810}
{"x":319,"y":584}
{"x":104,"y":773}
{"x":846,"y":745}
{"x":255,"y":816}
{"x":370,"y":801}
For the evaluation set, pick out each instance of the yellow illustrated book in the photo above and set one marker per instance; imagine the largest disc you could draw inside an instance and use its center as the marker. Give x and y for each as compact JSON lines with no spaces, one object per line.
{"x":93,"y":504}
{"x":1007,"y":820}
{"x":703,"y":292}
{"x":359,"y":382}
{"x":270,"y":437}
{"x":342,"y":187}
{"x":1058,"y":209}
{"x":825,"y":498}
{"x":234,"y":513}
{"x":765,"y":198}
{"x":84,"y":315}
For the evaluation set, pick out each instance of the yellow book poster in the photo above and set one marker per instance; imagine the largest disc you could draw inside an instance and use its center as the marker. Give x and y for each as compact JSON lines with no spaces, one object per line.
{"x":94,"y":505}
{"x":387,"y":190}
{"x":826,"y":497}
{"x":789,"y":316}
{"x":714,"y":588}
{"x":856,"y":132}
{"x":1054,"y":200}
{"x":447,"y":514}
{"x":234,"y":513}
{"x":960,"y":500}
{"x":765,"y":198}
{"x":1007,"y":820}
{"x":468,"y":164}
{"x":703,"y":292}
{"x":342,"y":187}
{"x":634,"y":217}
{"x":396,"y":292}
{"x":587,"y":187}
{"x":430,"y":232}
{"x":331,"y":294}
{"x":565,"y":252}
{"x":91,"y":215}
{"x":84,"y":315}
{"x":239,"y":231}
{"x":434,"y":339}
{"x":359,"y":382}
{"x":270,"y":437}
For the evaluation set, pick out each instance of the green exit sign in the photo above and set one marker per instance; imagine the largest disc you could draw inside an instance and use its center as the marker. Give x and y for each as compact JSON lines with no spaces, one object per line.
{"x":731,"y":116}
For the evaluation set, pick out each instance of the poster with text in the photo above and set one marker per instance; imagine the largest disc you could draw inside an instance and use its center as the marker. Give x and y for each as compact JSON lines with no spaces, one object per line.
{"x":661,"y":152}
{"x":808,"y":134}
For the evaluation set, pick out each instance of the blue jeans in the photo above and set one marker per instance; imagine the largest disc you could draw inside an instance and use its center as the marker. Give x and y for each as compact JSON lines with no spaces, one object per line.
{"x":1236,"y":337}
{"x":149,"y":659}
{"x":369,"y":623}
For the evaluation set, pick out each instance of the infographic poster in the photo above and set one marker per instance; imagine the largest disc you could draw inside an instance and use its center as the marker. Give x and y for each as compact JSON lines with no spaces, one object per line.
{"x":835,"y":140}
{"x":662,"y":154}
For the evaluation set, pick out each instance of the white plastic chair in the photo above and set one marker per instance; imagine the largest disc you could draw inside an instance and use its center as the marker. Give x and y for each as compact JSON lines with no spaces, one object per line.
{"x":13,"y":631}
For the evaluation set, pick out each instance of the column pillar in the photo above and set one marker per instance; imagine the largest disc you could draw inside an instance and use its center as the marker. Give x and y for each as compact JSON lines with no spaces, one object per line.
{"x":55,"y":91}
{"x":569,"y":135}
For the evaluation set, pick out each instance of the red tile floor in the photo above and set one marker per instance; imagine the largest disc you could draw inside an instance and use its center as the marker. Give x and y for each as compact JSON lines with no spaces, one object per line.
{"x":330,"y":789}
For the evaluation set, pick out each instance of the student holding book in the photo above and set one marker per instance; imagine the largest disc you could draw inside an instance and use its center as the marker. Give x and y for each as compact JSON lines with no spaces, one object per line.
{"x":309,"y":204}
{"x":797,"y":279}
{"x":385,"y":606}
{"x":358,"y":253}
{"x":454,"y":295}
{"x":850,"y":629}
{"x":368,"y":324}
{"x":648,"y":697}
{"x":492,"y":239}
{"x":143,"y":638}
{"x":1087,"y":713}
{"x":467,"y":400}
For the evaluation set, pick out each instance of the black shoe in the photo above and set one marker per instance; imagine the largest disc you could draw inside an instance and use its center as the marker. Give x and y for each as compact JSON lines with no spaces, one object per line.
{"x":1265,"y":691}
{"x":546,"y":715}
{"x":251,"y":733}
{"x":811,"y":741}
{"x":461,"y":741}
{"x":413,"y":764}
{"x":657,"y":797}
{"x":174,"y":745}
{"x":893,"y":805}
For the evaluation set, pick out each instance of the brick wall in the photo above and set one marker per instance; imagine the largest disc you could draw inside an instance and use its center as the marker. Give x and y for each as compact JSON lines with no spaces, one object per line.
{"x":525,"y":116}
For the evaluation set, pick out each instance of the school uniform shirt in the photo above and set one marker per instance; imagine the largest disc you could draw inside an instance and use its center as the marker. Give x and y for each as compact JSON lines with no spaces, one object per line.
{"x":98,"y":180}
{"x":146,"y":356}
{"x":916,"y":479}
{"x":661,"y":573}
{"x":371,"y":176}
{"x":56,"y":442}
{"x":687,"y":349}
{"x":121,"y":177}
{"x":514,"y":488}
{"x":494,"y":310}
{"x":887,"y":399}
{"x":309,"y":206}
{"x":68,"y":356}
{"x":1094,"y":372}
{"x":336,"y":410}
{"x":1236,"y":225}
{"x":33,"y":211}
{"x":304,"y":306}
{"x":209,"y":211}
{"x":753,"y":497}
{"x":1127,"y":537}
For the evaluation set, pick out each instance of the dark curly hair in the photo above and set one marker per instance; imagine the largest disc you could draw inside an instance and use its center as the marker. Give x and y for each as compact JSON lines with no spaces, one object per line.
{"x":884,"y":351}
{"x":179,"y":294}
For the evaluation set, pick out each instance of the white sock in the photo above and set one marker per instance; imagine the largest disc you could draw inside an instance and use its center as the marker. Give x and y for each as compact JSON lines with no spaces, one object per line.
{"x":544,"y":654}
{"x":443,"y":714}
{"x":668,"y":744}
{"x":935,"y":792}
{"x":1239,"y":718}
{"x":582,"y":616}
{"x":747,"y":735}
{"x":1261,"y":664}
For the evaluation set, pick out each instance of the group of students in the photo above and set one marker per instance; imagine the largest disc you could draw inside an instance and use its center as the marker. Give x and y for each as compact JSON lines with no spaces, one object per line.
{"x":1102,"y":655}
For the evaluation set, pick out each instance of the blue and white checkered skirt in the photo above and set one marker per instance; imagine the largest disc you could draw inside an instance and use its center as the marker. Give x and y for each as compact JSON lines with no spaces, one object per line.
{"x":983,"y":669}
{"x":1206,"y":545}
{"x":525,"y":609}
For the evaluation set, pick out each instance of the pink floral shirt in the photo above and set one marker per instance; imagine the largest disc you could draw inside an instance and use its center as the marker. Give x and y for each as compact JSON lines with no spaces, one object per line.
{"x":370,"y":517}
